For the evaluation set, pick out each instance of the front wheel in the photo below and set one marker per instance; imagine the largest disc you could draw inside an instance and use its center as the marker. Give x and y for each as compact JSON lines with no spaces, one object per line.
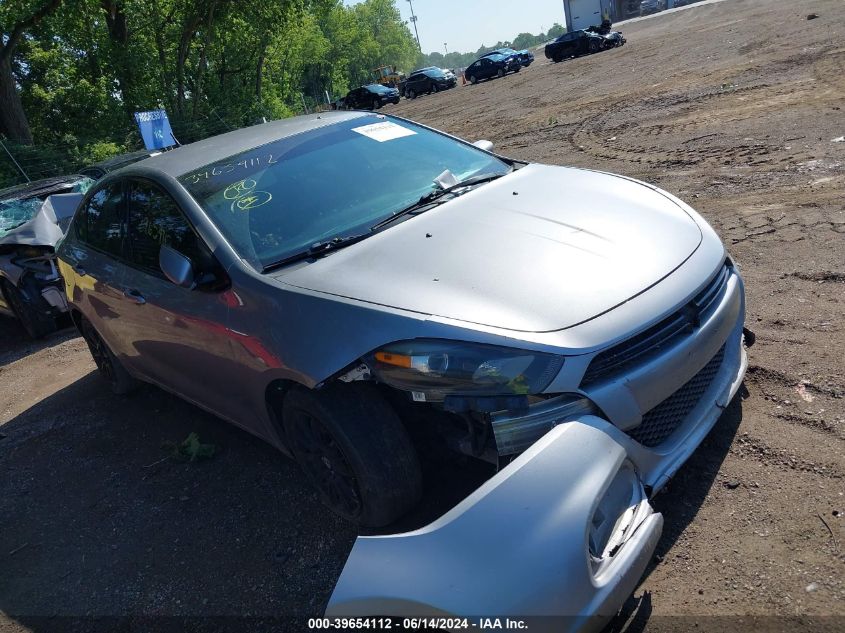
{"x":473,"y":79}
{"x":434,"y":87}
{"x":593,"y":46}
{"x":410,"y":94}
{"x":110,"y":368}
{"x":354,"y":450}
{"x":500,"y":73}
{"x":376,"y":104}
{"x":517,"y":69}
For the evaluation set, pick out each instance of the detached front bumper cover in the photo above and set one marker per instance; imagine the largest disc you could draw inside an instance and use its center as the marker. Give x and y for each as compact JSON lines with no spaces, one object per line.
{"x":559,"y":537}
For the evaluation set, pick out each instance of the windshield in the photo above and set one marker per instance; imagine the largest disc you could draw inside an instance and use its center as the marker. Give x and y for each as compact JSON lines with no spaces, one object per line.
{"x":377,"y":88}
{"x":435,"y":73}
{"x":13,"y":213}
{"x":279,"y":199}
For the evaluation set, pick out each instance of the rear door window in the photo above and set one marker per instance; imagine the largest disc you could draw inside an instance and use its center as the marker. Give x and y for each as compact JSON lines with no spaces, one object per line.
{"x":103,"y":221}
{"x":155,"y":220}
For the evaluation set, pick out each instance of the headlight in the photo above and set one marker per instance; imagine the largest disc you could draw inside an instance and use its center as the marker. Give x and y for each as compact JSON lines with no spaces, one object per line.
{"x":434,"y":369}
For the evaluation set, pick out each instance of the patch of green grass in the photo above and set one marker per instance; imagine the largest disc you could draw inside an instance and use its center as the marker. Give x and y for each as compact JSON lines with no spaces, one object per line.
{"x":191,"y":449}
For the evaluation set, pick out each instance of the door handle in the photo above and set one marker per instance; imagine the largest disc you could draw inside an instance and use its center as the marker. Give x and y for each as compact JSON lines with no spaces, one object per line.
{"x":134,"y":296}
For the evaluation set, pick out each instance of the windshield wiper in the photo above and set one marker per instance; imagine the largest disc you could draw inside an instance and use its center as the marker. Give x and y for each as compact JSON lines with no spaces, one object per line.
{"x":318,"y":249}
{"x":322,"y":248}
{"x":433,"y":196}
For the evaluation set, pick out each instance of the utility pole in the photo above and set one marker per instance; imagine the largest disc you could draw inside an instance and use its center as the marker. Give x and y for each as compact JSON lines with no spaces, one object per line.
{"x":414,"y":20}
{"x":445,"y":48}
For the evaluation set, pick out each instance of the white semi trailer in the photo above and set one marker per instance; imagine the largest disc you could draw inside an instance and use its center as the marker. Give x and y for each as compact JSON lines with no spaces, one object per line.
{"x":583,"y":13}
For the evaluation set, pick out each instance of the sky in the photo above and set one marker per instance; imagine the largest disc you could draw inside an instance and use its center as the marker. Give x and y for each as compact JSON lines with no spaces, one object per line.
{"x":464,"y":25}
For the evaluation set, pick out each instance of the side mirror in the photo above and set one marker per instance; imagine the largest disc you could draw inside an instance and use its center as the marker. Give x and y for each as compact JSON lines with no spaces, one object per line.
{"x":176,"y":267}
{"x":487,"y":146}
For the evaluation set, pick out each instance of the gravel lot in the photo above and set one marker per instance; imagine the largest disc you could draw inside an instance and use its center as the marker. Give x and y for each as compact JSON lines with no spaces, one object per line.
{"x":731,"y":106}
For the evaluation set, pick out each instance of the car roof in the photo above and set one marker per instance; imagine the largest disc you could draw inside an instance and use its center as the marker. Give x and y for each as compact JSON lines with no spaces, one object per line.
{"x":110,"y":164}
{"x":183,"y":159}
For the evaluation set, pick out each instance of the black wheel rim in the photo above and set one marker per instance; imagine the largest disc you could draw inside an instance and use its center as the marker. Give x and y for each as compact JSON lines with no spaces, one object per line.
{"x":101,"y":356}
{"x":325,"y":464}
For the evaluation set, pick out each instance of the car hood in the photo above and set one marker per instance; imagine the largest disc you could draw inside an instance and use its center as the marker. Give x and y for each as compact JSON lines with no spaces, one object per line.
{"x":44,"y":224}
{"x":541,"y":249}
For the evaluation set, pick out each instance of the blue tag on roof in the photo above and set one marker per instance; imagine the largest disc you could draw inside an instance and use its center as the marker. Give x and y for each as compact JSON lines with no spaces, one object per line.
{"x":155,"y":129}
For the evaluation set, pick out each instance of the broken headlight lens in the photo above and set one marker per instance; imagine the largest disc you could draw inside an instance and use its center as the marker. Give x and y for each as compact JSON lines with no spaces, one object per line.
{"x":434,"y":369}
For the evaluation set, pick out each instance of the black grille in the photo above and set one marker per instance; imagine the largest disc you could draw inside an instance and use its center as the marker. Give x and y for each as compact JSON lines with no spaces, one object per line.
{"x":659,"y":423}
{"x":650,"y":342}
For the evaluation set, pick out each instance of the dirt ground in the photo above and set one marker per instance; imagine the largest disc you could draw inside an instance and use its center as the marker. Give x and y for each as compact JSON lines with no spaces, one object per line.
{"x":731,"y":106}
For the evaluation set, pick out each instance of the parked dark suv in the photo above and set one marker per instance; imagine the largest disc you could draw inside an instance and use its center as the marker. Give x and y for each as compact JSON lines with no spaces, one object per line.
{"x":574,"y":44}
{"x":370,"y":97}
{"x":427,"y":81}
{"x":491,"y":66}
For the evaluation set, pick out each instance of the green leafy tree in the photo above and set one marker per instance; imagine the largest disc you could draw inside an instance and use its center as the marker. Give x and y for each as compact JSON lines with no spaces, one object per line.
{"x":16,"y":20}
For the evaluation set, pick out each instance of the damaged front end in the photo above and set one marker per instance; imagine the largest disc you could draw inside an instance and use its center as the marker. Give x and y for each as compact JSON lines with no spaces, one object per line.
{"x":563,"y":532}
{"x":34,"y":272}
{"x":559,"y":537}
{"x":32,"y":287}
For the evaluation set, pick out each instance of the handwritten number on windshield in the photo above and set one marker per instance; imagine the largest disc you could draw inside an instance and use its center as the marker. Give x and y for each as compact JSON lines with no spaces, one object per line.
{"x":244,"y":197}
{"x":228,"y":168}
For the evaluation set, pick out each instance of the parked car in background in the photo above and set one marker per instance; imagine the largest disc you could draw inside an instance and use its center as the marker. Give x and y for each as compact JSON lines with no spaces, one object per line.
{"x":273,"y":276}
{"x":100,"y":169}
{"x":574,"y":44}
{"x":491,"y":66}
{"x":33,"y":218}
{"x":427,"y":81}
{"x":612,"y":38}
{"x":524,"y":57}
{"x":370,"y":97}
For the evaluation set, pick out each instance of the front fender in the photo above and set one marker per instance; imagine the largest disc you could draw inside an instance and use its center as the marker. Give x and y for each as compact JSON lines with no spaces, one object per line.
{"x":519,"y":546}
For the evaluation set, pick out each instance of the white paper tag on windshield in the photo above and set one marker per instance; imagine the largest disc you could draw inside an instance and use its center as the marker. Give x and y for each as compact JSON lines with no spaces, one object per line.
{"x":384,"y":131}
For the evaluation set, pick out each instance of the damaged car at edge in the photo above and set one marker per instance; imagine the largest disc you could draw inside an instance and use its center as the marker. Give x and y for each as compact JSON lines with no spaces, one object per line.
{"x":580,"y":331}
{"x":33,"y":219}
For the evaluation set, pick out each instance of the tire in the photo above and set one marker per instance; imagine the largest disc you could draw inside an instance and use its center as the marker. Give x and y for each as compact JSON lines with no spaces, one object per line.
{"x":517,"y":69}
{"x":500,"y":73}
{"x":354,"y":450}
{"x":473,"y":79}
{"x":557,"y":59}
{"x":410,"y":94}
{"x":593,"y":47}
{"x":33,"y":313}
{"x":433,"y":87}
{"x":110,"y":368}
{"x":376,"y":104}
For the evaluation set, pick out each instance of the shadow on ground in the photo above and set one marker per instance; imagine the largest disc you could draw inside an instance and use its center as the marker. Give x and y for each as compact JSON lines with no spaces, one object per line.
{"x":100,"y":520}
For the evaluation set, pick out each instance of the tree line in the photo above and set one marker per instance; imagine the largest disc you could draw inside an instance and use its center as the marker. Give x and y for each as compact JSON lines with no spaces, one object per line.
{"x":73,"y":72}
{"x":83,"y":67}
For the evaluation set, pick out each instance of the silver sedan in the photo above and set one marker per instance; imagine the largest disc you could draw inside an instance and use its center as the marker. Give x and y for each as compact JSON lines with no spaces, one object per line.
{"x":341,"y":284}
